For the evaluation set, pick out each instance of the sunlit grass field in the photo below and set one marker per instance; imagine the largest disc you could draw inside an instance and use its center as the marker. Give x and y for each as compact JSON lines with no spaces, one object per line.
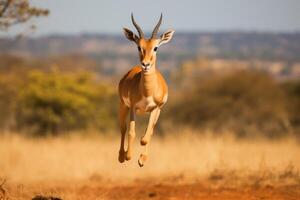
{"x":31,"y":166}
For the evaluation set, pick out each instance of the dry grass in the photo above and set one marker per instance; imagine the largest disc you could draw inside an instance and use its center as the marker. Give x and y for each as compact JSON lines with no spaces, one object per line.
{"x":48,"y":165}
{"x":78,"y":157}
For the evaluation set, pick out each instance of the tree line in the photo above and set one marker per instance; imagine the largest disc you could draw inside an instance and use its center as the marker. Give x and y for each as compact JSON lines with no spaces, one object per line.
{"x":39,"y":97}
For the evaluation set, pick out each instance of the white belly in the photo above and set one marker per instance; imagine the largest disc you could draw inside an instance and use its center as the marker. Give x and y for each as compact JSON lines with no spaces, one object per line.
{"x":145,"y":104}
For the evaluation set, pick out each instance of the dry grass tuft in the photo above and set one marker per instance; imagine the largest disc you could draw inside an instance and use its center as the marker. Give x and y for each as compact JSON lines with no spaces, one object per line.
{"x":3,"y":193}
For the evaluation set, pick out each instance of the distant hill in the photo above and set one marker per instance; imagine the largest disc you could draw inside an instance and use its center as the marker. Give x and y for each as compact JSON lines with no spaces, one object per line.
{"x":233,"y":45}
{"x":277,"y":54}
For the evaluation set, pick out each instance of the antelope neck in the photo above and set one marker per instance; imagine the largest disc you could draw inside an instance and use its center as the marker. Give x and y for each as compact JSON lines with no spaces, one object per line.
{"x":148,"y":82}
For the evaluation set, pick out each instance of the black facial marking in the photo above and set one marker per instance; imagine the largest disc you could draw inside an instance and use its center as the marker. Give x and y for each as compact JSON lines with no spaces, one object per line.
{"x":155,"y":48}
{"x":139,"y":48}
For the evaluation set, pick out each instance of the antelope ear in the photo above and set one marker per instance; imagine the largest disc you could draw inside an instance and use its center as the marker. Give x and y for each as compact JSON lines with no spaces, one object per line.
{"x":130,"y":35}
{"x":166,"y":37}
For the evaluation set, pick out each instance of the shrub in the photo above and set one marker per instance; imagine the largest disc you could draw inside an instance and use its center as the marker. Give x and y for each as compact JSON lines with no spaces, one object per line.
{"x":54,"y":102}
{"x":245,"y":102}
{"x":292,"y":92}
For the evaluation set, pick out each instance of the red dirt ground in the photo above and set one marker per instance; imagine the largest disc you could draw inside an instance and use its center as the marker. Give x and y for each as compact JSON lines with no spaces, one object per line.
{"x":141,"y":191}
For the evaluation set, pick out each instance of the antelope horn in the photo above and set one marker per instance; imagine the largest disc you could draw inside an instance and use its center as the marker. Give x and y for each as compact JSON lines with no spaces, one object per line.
{"x":155,"y":30}
{"x":138,"y":28}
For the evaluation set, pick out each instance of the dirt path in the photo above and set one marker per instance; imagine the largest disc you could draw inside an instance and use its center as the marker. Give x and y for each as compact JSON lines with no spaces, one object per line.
{"x":143,"y":191}
{"x":195,"y":191}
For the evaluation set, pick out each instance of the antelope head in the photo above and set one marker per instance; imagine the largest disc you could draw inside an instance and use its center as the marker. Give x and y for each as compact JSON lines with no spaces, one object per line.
{"x":148,"y":47}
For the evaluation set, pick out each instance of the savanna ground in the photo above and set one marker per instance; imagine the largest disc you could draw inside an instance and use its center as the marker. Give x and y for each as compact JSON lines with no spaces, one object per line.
{"x":184,"y":166}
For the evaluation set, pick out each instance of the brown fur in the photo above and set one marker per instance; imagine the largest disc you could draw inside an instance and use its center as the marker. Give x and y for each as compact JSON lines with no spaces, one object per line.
{"x":142,"y":89}
{"x":135,"y":84}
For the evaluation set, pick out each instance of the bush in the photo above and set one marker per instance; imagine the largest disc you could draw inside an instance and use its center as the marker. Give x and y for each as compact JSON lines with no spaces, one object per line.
{"x":54,"y":102}
{"x":292,"y":92}
{"x":244,"y":102}
{"x":9,"y":84}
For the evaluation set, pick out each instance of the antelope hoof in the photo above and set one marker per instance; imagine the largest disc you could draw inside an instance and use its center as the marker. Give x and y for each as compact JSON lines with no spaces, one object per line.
{"x":142,"y":160}
{"x":121,"y":156}
{"x":128,"y":156}
{"x":144,"y":141}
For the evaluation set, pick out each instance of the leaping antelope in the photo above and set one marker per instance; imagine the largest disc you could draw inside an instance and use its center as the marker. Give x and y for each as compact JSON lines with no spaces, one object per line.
{"x":142,"y":89}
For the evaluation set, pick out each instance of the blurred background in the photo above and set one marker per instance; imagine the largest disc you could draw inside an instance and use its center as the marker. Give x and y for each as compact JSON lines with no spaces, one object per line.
{"x":233,"y":68}
{"x":229,"y":67}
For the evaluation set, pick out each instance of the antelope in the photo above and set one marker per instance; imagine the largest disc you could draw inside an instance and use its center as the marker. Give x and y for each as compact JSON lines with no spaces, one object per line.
{"x":142,"y":89}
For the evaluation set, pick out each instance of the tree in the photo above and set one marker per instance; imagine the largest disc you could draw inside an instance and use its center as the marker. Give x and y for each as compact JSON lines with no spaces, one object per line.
{"x":14,"y":12}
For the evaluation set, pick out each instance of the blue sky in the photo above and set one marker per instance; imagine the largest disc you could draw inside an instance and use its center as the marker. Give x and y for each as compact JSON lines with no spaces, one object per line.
{"x":109,"y":16}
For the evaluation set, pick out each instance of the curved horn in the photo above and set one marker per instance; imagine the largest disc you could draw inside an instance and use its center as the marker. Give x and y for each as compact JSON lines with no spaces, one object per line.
{"x":155,"y":30}
{"x":138,"y":28}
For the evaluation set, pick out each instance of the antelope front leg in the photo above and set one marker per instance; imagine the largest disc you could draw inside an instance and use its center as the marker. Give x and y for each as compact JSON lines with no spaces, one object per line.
{"x":122,"y":120}
{"x":131,"y":133}
{"x":152,"y":121}
{"x":147,"y":137}
{"x":143,"y":156}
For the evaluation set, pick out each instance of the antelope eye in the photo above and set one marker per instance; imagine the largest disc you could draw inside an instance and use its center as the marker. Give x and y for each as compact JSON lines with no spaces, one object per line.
{"x":155,"y":48}
{"x":139,"y":48}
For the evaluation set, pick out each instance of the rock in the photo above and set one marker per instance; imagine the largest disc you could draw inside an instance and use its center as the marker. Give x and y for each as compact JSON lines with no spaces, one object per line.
{"x":40,"y":197}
